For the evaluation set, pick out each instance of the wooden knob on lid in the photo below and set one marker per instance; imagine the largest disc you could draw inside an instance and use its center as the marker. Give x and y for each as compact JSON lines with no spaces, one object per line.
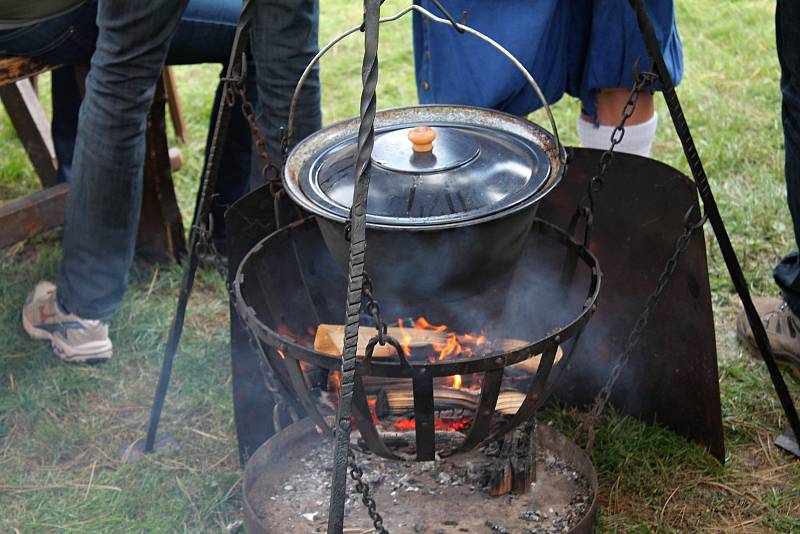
{"x":422,"y":138}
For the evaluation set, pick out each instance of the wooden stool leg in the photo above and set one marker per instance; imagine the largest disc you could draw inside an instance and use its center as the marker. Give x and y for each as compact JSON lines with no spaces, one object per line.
{"x":32,"y":214}
{"x":161,"y":234}
{"x":33,"y":128}
{"x":174,"y":102}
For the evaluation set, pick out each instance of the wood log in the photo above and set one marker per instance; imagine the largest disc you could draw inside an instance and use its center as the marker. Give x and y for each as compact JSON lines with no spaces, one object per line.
{"x":523,"y":457}
{"x":514,"y":470}
{"x":401,"y":401}
{"x":329,"y":339}
{"x":13,"y":68}
{"x":500,"y":476}
{"x":507,"y":466}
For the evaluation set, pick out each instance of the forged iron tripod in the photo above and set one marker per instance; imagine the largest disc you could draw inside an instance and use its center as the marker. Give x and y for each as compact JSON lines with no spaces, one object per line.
{"x":200,"y":227}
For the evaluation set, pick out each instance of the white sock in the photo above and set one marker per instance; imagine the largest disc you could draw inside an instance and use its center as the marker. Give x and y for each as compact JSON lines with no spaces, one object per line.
{"x":638,"y":138}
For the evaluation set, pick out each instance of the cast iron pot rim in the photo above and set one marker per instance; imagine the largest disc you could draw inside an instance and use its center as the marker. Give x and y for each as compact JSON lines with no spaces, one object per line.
{"x":311,"y":146}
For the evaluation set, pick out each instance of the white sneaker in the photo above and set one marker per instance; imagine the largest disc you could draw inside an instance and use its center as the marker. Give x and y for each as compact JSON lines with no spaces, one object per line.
{"x":73,"y":339}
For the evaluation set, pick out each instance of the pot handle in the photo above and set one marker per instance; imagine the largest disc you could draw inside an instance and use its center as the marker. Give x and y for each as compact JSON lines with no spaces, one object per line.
{"x":424,"y":12}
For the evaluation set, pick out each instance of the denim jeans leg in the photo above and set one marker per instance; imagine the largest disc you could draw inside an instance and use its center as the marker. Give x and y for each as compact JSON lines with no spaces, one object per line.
{"x":205,"y":35}
{"x":787,"y":26}
{"x":284,"y":38}
{"x":103,"y":206}
{"x":66,"y":97}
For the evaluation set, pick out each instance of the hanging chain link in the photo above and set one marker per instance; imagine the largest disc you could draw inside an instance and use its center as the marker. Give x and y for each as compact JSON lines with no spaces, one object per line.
{"x":238,"y":88}
{"x":207,"y":251}
{"x":635,"y":335}
{"x":374,"y":310}
{"x":585,"y":208}
{"x":270,"y":381}
{"x":356,"y":473}
{"x":271,"y":384}
{"x":589,"y":421}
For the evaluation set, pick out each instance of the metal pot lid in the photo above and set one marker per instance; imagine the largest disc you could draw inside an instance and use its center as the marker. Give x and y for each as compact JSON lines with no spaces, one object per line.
{"x":429,"y":169}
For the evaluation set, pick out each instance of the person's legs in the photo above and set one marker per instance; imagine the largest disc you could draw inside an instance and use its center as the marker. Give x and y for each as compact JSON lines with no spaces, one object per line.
{"x":787,"y":22}
{"x":66,"y":98}
{"x":615,"y":46}
{"x":781,"y":317}
{"x":283,"y":38}
{"x":103,"y":206}
{"x":640,"y":128}
{"x":205,"y":35}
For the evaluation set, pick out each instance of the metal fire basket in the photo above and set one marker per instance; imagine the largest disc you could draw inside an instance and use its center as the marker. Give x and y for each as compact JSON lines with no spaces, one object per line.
{"x":279,"y":300}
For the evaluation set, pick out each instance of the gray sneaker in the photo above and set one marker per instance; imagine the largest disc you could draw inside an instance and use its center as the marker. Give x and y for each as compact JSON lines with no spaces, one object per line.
{"x":73,"y":339}
{"x":783,"y":331}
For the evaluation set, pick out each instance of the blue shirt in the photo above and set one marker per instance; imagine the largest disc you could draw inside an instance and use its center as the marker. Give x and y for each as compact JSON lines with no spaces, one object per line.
{"x":572,"y":46}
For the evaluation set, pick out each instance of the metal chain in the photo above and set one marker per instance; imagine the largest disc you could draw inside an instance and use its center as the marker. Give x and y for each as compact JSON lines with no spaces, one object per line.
{"x":374,"y":310}
{"x":643,"y":79}
{"x":586,"y":205}
{"x":270,"y":382}
{"x":268,"y":376}
{"x":238,"y":89}
{"x":585,"y":210}
{"x":207,"y":251}
{"x":269,"y":170}
{"x":356,"y":473}
{"x":635,"y":335}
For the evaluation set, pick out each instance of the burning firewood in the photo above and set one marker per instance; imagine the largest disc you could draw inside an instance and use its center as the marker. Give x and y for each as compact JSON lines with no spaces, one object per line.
{"x":401,"y":401}
{"x":329,"y":339}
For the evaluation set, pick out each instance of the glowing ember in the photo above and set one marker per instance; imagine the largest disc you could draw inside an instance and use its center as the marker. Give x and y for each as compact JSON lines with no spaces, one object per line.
{"x":441,"y":425}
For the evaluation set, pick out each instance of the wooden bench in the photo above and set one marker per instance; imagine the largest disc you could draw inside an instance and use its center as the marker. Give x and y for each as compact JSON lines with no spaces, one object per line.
{"x":161,"y":234}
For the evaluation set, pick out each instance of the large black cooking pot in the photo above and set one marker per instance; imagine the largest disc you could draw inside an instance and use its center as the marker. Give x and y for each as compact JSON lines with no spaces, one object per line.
{"x":452,"y":196}
{"x":448,"y":222}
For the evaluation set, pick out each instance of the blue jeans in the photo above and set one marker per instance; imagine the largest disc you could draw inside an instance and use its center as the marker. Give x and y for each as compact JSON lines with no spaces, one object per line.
{"x":204,"y":35}
{"x":283,"y":37}
{"x":787,"y":26}
{"x":128,"y":46}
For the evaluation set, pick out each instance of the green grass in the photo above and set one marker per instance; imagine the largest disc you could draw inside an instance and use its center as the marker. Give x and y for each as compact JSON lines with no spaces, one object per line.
{"x":61,"y":425}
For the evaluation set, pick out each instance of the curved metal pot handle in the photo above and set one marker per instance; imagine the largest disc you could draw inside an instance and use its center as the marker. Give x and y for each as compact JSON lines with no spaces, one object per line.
{"x":466,"y":29}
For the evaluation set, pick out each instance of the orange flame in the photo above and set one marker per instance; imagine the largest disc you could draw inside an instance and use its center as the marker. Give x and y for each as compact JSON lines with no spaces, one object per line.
{"x":423,"y":324}
{"x":454,"y":345}
{"x":405,"y":338}
{"x":334,"y":381}
{"x":456,"y":381}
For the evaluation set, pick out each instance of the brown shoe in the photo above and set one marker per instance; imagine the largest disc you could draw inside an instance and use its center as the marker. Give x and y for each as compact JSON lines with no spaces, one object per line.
{"x":783,"y":331}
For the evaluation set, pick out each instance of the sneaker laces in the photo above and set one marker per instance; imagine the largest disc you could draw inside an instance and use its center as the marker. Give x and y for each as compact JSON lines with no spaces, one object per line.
{"x":783,"y":311}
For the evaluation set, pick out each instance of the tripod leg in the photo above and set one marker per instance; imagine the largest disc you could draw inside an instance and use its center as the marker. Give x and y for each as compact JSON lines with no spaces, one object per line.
{"x":715,"y":218}
{"x":200,"y":223}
